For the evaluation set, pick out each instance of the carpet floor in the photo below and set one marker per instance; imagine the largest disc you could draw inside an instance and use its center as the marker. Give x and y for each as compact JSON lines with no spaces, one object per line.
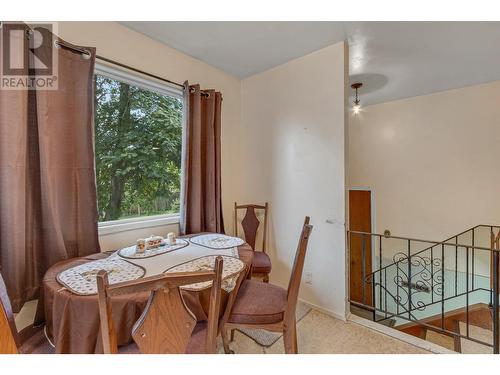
{"x":318,"y":333}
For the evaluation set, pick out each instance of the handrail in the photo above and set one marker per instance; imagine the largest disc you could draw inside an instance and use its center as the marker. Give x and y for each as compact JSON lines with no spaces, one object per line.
{"x":425,"y":241}
{"x":431,"y":274}
{"x":434,"y":243}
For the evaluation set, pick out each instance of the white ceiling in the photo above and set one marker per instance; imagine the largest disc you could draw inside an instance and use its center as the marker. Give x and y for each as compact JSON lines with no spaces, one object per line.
{"x":394,"y":60}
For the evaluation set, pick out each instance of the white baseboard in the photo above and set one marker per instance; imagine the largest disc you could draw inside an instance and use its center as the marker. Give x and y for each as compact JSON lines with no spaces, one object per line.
{"x":324,"y":311}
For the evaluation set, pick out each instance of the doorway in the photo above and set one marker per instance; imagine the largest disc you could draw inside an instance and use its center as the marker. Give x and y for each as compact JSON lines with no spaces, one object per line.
{"x":360,"y":219}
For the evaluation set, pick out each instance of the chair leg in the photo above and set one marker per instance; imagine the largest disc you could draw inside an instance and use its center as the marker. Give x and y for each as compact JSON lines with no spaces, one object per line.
{"x":225,"y":342}
{"x":232,"y":335}
{"x":266,"y":278}
{"x":295,"y":346}
{"x":290,"y":338}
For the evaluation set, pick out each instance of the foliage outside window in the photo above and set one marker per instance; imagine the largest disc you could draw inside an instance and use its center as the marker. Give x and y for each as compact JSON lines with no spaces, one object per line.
{"x":138,"y":148}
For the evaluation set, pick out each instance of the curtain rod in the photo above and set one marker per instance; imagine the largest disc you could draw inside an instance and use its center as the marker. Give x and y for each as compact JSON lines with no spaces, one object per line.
{"x":83,"y":51}
{"x":138,"y":71}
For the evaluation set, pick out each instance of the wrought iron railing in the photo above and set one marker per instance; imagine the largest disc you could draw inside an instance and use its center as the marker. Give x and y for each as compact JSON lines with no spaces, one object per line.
{"x":412,"y":279}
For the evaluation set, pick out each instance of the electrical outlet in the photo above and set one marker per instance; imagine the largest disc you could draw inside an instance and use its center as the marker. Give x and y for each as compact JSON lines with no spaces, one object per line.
{"x":308,"y":278}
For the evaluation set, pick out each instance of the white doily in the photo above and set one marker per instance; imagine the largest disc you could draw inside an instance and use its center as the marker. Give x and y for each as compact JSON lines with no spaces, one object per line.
{"x":130,"y":252}
{"x":217,"y":241}
{"x":82,"y":279}
{"x":230,"y":271}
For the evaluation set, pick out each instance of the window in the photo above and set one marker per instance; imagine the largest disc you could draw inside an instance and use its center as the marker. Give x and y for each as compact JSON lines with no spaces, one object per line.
{"x":138,"y":146}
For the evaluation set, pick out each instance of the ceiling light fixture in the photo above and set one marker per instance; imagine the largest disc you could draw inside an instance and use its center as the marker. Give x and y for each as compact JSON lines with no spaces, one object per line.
{"x":356,"y":106}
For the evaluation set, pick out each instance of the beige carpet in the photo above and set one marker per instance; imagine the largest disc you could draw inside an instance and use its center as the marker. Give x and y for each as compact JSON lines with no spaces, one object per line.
{"x":26,"y":316}
{"x":478,"y":333}
{"x":440,"y":339}
{"x":266,"y":338}
{"x":318,"y":333}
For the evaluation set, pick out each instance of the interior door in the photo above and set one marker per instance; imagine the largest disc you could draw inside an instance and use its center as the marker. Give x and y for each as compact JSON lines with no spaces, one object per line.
{"x":360,"y":219}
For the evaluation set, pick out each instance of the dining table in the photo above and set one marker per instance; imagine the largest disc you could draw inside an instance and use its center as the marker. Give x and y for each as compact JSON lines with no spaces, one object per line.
{"x":71,"y":309}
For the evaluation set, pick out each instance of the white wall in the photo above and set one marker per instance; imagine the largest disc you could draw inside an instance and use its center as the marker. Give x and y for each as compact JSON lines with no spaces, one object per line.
{"x":293,"y":157}
{"x":432,"y":161}
{"x":117,"y":240}
{"x":119,"y":43}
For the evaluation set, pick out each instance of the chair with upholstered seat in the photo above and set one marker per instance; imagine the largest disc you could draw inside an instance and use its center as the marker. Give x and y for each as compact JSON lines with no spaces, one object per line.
{"x":166,"y":326}
{"x":30,"y":340}
{"x":261,"y":264}
{"x":266,"y":306}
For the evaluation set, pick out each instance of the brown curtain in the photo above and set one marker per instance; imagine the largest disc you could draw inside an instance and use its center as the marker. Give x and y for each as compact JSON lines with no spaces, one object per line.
{"x":48,"y":204}
{"x":201,"y":198}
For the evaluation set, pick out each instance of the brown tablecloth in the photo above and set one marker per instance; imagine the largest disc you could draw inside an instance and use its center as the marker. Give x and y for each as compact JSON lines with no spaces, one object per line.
{"x":72,"y":321}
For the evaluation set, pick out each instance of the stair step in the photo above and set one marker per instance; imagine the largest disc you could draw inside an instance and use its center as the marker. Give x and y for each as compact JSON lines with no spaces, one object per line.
{"x":478,"y":333}
{"x":442,"y":340}
{"x":363,"y":313}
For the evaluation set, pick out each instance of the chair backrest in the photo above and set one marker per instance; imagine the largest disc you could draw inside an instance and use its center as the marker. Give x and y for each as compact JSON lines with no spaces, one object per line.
{"x":250,"y":223}
{"x":166,"y":324}
{"x":233,"y":295}
{"x":298,"y":266}
{"x":8,"y":331}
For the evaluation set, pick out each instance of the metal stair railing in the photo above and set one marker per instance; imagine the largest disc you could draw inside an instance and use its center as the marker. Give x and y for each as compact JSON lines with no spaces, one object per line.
{"x":419,"y":281}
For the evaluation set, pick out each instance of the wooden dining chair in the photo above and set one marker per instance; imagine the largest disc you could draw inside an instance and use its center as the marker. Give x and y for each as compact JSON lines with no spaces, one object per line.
{"x":261,"y":264}
{"x":30,"y":340}
{"x":266,"y":306}
{"x":166,"y":326}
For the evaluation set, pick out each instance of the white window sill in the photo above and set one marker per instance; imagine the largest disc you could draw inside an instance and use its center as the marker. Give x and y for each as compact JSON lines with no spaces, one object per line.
{"x":117,"y":226}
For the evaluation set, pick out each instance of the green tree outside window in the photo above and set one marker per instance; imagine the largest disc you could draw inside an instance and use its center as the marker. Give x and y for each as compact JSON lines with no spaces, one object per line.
{"x":138,"y":148}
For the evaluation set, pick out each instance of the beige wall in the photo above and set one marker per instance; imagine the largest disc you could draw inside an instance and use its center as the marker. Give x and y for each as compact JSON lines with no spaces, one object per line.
{"x":293,"y":155}
{"x":432,"y":161}
{"x":119,"y":43}
{"x":287,"y":147}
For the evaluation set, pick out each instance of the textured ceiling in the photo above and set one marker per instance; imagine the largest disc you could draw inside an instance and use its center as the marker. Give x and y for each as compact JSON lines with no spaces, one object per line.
{"x":394,"y":60}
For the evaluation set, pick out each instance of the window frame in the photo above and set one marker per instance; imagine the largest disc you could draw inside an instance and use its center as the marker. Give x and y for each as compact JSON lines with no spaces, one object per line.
{"x":151,"y":84}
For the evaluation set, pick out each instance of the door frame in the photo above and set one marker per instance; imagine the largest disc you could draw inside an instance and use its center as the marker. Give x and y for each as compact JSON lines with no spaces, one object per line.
{"x":373,"y":218}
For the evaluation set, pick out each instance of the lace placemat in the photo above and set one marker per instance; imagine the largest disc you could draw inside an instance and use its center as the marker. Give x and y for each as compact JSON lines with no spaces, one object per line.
{"x":216,"y":241}
{"x":82,"y":279}
{"x":130,"y":253}
{"x":230,"y":271}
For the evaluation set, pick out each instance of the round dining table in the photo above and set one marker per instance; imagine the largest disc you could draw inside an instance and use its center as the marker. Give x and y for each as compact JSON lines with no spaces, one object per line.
{"x":72,"y":322}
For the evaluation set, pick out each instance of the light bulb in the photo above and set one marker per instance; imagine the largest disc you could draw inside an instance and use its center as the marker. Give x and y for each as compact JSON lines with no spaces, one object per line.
{"x":356,"y":108}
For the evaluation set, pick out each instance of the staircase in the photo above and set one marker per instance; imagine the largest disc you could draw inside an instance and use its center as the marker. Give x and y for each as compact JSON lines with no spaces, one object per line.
{"x":480,"y":328}
{"x":444,"y":292}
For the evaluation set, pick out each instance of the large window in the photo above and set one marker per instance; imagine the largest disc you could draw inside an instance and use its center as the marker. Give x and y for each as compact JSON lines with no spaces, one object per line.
{"x":138,"y":147}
